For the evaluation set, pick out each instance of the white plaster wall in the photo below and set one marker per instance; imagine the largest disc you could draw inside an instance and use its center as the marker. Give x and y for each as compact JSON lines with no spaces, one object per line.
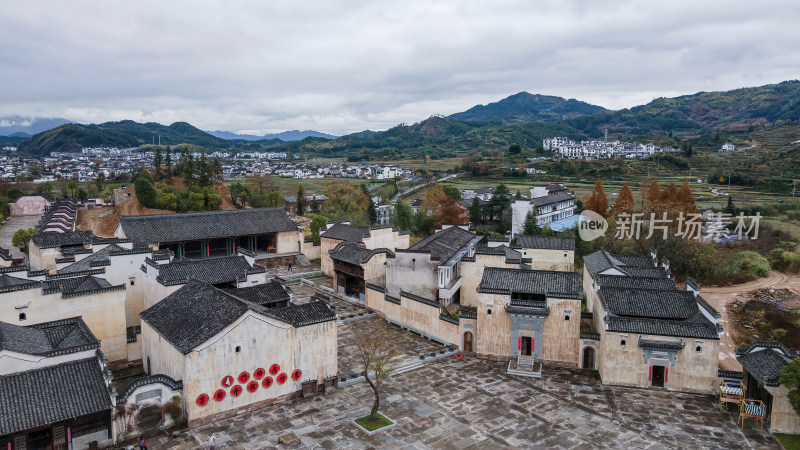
{"x":413,"y":273}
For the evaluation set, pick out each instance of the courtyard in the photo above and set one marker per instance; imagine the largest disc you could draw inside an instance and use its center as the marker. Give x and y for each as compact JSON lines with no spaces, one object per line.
{"x":471,"y":403}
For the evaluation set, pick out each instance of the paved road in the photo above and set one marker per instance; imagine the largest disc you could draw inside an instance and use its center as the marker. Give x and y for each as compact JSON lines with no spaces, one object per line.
{"x":11,"y":226}
{"x":720,"y":297}
{"x":404,"y":192}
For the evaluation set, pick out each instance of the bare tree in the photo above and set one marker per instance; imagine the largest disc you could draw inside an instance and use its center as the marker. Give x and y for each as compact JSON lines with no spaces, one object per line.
{"x":378,"y":353}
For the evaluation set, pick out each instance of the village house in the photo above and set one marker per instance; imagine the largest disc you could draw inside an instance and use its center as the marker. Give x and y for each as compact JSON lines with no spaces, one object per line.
{"x":354,"y":265}
{"x":762,"y":363}
{"x":383,"y":237}
{"x":234,"y":350}
{"x":266,"y":232}
{"x":644,"y":332}
{"x":56,"y":388}
{"x":728,"y":147}
{"x":547,"y":203}
{"x":547,"y":252}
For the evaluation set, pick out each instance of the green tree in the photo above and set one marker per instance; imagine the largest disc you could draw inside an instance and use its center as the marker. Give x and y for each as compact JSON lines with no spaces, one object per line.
{"x":145,"y":190}
{"x":372,"y":213}
{"x":730,"y":208}
{"x":452,"y":191}
{"x":273,"y":199}
{"x":168,"y":164}
{"x":188,"y":169}
{"x":475,"y":213}
{"x":168,"y":201}
{"x":403,"y":216}
{"x":345,"y":201}
{"x":530,"y":227}
{"x":82,"y":194}
{"x":22,"y":237}
{"x":239,"y":194}
{"x":203,"y":172}
{"x":317,"y":222}
{"x":46,"y":188}
{"x":790,"y":377}
{"x":212,"y":199}
{"x":514,"y":149}
{"x":100,"y":181}
{"x":72,"y":186}
{"x":14,"y":193}
{"x":423,"y":223}
{"x":157,"y":163}
{"x":500,"y":205}
{"x":301,"y":200}
{"x":196,"y":201}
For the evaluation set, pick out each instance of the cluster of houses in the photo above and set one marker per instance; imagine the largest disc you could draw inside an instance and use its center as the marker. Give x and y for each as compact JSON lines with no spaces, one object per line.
{"x":566,"y":148}
{"x":190,"y":298}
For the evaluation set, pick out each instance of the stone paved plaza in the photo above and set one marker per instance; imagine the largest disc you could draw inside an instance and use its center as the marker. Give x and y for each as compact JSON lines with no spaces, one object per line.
{"x":471,"y":403}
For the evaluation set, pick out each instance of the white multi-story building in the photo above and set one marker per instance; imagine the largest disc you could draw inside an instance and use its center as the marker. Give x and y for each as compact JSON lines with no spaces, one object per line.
{"x":728,"y":147}
{"x":548,"y":203}
{"x":569,"y":149}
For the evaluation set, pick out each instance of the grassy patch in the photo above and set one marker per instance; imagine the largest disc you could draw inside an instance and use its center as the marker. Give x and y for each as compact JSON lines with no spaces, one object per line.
{"x":789,"y":441}
{"x":372,"y":425}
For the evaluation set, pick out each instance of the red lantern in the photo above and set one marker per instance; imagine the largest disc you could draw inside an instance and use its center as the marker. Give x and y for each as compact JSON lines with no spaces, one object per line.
{"x":227,"y":381}
{"x":297,"y":374}
{"x":202,"y":399}
{"x":282,"y":378}
{"x":259,"y":373}
{"x":243,"y":377}
{"x":219,"y":395}
{"x":252,"y":386}
{"x":266,"y":382}
{"x":274,"y":369}
{"x":459,"y":356}
{"x":236,"y":390}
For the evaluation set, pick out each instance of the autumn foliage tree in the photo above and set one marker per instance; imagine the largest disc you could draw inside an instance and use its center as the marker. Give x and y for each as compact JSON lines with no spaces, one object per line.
{"x":433,"y":199}
{"x":625,"y":203}
{"x":450,"y":211}
{"x":345,"y":201}
{"x":598,"y":202}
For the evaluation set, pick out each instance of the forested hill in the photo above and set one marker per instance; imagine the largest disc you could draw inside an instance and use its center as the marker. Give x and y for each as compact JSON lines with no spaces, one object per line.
{"x":525,"y":107}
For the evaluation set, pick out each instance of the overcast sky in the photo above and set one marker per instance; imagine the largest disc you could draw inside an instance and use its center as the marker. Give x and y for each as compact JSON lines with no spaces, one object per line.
{"x":347,"y":65}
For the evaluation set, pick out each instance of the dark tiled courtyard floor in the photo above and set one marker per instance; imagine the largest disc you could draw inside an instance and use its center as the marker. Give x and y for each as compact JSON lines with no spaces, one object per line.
{"x":471,"y":403}
{"x":411,"y":345}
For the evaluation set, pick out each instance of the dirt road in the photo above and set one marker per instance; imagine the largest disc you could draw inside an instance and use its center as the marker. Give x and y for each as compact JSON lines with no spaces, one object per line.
{"x":720,"y":297}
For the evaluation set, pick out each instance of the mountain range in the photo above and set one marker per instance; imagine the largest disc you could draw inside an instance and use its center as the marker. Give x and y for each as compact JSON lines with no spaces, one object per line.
{"x":522,"y":118}
{"x":293,"y":135}
{"x":17,"y":126}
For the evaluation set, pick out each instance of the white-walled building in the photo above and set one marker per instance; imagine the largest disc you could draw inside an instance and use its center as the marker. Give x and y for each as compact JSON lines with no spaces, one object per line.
{"x":548,"y":204}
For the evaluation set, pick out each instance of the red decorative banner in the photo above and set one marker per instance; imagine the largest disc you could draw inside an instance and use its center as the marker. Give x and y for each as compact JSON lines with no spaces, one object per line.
{"x":202,"y":399}
{"x":259,"y":373}
{"x":266,"y":382}
{"x":243,"y":377}
{"x":650,"y":376}
{"x":274,"y":369}
{"x":666,"y":374}
{"x":219,"y":395}
{"x":236,"y":390}
{"x":282,"y":378}
{"x":227,"y":381}
{"x":252,"y":386}
{"x":297,"y":374}
{"x":519,"y":343}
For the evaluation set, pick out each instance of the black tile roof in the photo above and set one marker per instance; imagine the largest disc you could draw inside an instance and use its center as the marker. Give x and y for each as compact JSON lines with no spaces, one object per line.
{"x":99,"y":258}
{"x":263,"y":294}
{"x":632,"y":265}
{"x":49,"y":338}
{"x":648,"y":303}
{"x":51,"y":239}
{"x":197,"y":311}
{"x":557,"y":197}
{"x":212,"y":270}
{"x":445,"y":244}
{"x":81,"y":285}
{"x":51,"y":394}
{"x":4,"y":254}
{"x":164,"y":228}
{"x":9,"y":283}
{"x":545,"y":282}
{"x":546,"y":242}
{"x":346,"y":232}
{"x":635,"y":282}
{"x":355,"y":254}
{"x":765,"y":361}
{"x":696,"y":327}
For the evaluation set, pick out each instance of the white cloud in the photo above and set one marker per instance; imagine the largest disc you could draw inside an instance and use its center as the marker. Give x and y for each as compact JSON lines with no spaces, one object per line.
{"x":346,"y":66}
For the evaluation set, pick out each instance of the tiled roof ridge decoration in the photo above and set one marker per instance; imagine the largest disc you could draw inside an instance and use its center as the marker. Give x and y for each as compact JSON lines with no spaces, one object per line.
{"x":661,"y":344}
{"x":215,"y":270}
{"x":545,"y":242}
{"x":765,"y":360}
{"x":356,"y":253}
{"x":25,"y":337}
{"x":768,"y":344}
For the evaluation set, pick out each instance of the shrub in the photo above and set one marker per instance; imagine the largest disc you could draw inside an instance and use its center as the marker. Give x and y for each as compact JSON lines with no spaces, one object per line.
{"x":744,"y":266}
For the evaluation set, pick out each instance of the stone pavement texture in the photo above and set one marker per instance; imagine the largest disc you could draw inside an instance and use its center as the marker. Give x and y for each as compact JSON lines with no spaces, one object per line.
{"x":11,"y":226}
{"x":473,"y":404}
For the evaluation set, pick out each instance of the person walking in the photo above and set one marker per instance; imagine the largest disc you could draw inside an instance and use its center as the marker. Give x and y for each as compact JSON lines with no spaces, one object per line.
{"x":290,"y":267}
{"x":142,"y":444}
{"x":211,"y":440}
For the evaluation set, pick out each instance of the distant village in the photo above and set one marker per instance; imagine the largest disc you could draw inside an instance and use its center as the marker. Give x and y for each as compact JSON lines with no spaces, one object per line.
{"x":598,"y":149}
{"x":89,"y":162}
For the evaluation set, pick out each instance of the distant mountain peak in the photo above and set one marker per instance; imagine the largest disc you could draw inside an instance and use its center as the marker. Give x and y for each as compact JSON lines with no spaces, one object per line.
{"x":293,"y":135}
{"x":526,"y":107}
